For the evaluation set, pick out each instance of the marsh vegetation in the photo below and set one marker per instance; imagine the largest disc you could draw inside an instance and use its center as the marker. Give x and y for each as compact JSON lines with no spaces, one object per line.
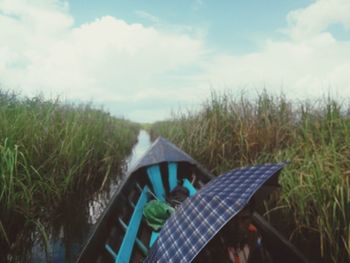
{"x":49,"y":152}
{"x":313,"y":207}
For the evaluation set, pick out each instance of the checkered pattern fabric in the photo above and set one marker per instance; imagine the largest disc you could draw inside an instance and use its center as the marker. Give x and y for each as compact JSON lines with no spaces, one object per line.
{"x":201,"y":217}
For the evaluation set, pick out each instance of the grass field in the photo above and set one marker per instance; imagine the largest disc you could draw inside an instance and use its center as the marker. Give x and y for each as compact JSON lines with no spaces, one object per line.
{"x":313,"y":208}
{"x":49,"y":150}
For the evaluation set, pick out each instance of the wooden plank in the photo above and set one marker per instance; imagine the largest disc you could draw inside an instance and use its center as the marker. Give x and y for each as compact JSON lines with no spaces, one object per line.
{"x":111,"y":251}
{"x":187,"y":184}
{"x":155,"y":177}
{"x":125,"y":250}
{"x":139,"y":243}
{"x":153,"y":238}
{"x":172,"y":172}
{"x":281,"y":249}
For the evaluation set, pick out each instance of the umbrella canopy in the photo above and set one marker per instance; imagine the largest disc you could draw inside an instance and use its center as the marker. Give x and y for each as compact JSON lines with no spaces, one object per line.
{"x":199,"y":218}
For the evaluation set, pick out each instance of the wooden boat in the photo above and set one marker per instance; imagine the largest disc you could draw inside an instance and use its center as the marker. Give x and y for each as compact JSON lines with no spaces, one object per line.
{"x":121,"y":235}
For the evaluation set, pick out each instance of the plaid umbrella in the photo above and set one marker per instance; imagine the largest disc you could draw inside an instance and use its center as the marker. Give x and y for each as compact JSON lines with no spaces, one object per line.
{"x":199,"y":218}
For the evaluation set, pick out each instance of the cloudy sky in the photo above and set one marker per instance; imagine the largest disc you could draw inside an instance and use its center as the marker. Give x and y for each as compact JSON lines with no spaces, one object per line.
{"x":140,"y":59}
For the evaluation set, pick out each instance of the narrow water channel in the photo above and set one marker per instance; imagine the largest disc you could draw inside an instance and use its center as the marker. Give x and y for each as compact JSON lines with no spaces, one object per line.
{"x":70,"y":231}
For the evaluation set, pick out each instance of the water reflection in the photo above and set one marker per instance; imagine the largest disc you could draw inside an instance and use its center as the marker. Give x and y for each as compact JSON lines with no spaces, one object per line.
{"x":144,"y":142}
{"x":98,"y":204}
{"x":71,"y":226}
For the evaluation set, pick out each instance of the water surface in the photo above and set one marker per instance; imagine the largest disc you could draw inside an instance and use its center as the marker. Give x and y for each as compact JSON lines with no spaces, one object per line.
{"x":70,"y":229}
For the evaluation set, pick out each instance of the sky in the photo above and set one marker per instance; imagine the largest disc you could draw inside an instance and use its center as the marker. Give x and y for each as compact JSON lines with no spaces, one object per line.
{"x":144,"y":59}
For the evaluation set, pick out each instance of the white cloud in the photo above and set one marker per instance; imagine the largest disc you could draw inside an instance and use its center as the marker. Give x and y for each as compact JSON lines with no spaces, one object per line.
{"x":109,"y":59}
{"x":105,"y":59}
{"x":317,"y":17}
{"x":310,"y":63}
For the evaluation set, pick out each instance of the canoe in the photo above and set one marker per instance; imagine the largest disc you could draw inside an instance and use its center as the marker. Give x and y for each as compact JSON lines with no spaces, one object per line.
{"x":122,"y":234}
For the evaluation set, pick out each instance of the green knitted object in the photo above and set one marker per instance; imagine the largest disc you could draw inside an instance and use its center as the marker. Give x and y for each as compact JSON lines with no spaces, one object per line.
{"x":156,"y":213}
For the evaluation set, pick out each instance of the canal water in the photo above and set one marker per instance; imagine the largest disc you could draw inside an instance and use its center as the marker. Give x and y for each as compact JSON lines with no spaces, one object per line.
{"x":69,"y":232}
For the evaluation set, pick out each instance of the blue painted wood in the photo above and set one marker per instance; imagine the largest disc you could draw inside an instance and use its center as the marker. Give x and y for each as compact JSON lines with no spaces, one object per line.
{"x":155,"y":177}
{"x":172,"y":171}
{"x":139,"y":243}
{"x":187,"y":184}
{"x":154,"y":237}
{"x":125,"y":250}
{"x":110,"y":250}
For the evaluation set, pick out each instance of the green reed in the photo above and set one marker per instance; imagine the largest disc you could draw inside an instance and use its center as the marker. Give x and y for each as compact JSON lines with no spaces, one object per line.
{"x":231,"y":131}
{"x":49,"y":150}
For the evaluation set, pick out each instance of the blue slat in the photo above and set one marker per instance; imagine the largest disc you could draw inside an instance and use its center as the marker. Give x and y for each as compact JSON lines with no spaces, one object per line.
{"x":125,"y":250}
{"x":139,"y":243}
{"x":187,"y":184}
{"x":110,"y":250}
{"x":172,"y":171}
{"x":155,"y":177}
{"x":154,"y":237}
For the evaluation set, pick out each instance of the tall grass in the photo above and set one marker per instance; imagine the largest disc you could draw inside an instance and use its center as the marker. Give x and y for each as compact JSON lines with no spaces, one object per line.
{"x":230,"y":131}
{"x":49,"y":150}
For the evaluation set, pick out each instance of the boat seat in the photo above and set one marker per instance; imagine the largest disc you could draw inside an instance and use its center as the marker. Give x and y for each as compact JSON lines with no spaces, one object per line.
{"x":172,"y":172}
{"x":155,"y":177}
{"x":139,"y":243}
{"x":154,"y":237}
{"x":130,"y":237}
{"x":187,"y":184}
{"x":192,"y":191}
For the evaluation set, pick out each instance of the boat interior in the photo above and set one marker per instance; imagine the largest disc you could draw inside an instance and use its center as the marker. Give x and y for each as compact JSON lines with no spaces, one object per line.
{"x":130,"y":237}
{"x":123,"y":235}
